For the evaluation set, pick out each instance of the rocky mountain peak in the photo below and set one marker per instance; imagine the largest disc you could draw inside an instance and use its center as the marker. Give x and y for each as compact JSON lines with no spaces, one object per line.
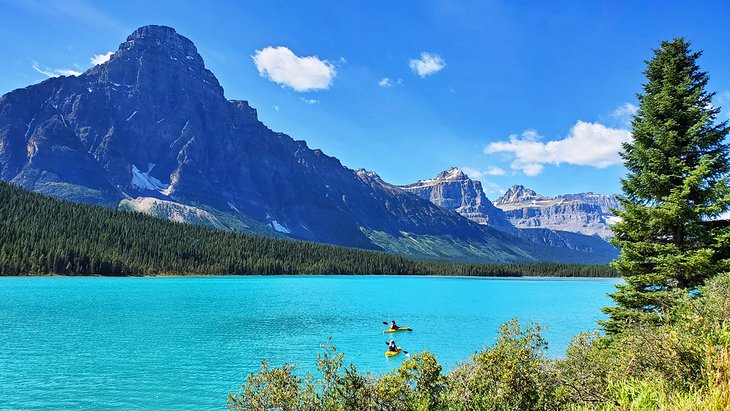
{"x":159,"y":37}
{"x":153,"y":31}
{"x":452,"y":174}
{"x":157,"y":56}
{"x":518,"y":194}
{"x":586,"y":213}
{"x":454,"y":190}
{"x":368,"y":174}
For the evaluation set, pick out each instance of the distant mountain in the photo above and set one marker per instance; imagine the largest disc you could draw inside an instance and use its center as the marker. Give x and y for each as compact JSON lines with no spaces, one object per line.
{"x":586,"y":213}
{"x":452,"y":189}
{"x":517,"y":195}
{"x":151,"y":130}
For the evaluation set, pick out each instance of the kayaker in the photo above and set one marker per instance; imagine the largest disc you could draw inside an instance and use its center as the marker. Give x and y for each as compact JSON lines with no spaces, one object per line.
{"x":392,"y":346}
{"x":392,"y":325}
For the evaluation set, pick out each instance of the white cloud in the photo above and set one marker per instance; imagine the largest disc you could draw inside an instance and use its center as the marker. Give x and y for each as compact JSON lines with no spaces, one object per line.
{"x":476,"y":173}
{"x":49,"y":72}
{"x":492,"y":188}
{"x":428,"y":64}
{"x":472,"y":172}
{"x":495,"y":171}
{"x":101,"y":58}
{"x":532,"y":169}
{"x":588,"y":144}
{"x":276,"y":108}
{"x":309,"y":100}
{"x":388,"y":82}
{"x":623,"y":115}
{"x":282,"y":66}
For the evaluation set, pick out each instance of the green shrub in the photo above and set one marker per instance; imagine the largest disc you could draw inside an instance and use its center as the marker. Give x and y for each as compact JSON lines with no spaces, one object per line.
{"x":679,"y":364}
{"x":513,"y":374}
{"x":682,"y":363}
{"x":269,"y":388}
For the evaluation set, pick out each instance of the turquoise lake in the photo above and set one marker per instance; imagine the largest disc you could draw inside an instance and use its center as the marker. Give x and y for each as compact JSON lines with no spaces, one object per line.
{"x":184,"y":343}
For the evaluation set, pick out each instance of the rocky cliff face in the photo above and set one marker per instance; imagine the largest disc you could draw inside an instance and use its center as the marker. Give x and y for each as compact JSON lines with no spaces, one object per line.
{"x":152,"y":130}
{"x":586,"y":213}
{"x":454,"y":190}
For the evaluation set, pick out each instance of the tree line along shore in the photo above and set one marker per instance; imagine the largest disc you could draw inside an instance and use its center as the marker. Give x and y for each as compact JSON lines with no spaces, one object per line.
{"x":40,"y":235}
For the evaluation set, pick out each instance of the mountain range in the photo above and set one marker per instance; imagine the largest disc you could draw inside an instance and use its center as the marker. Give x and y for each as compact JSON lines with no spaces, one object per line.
{"x":452,"y":189}
{"x":573,"y":227}
{"x":585,"y":213}
{"x":151,"y":130}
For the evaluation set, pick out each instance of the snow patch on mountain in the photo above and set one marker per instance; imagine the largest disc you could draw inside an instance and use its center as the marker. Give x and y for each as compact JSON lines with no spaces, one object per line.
{"x":28,"y":129}
{"x":143,"y":179}
{"x":278,"y":227}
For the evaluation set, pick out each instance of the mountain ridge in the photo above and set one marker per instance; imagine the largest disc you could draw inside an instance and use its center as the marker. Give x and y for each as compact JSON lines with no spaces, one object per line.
{"x":587,"y":213}
{"x":153,"y":123}
{"x":454,"y":190}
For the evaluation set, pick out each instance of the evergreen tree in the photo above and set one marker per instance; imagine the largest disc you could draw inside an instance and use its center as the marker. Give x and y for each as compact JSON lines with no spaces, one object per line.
{"x":80,"y":239}
{"x":675,"y":189}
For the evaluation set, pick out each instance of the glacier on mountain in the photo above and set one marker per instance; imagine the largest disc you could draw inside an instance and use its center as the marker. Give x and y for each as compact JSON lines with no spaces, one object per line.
{"x":143,"y":179}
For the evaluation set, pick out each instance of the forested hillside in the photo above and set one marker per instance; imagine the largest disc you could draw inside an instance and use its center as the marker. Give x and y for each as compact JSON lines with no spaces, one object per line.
{"x":42,"y":235}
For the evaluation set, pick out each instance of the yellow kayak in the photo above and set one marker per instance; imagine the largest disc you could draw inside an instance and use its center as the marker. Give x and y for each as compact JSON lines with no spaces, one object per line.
{"x":393,"y":353}
{"x":399,"y":329}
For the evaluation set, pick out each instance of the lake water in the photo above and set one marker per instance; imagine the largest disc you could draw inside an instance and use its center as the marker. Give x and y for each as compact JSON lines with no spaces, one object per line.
{"x":184,"y":343}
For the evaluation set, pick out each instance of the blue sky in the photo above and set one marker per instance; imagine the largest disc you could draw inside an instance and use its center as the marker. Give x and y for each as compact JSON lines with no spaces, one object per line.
{"x":533,"y":93}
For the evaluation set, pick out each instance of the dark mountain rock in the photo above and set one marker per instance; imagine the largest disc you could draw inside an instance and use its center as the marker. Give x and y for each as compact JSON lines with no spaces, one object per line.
{"x":151,"y":130}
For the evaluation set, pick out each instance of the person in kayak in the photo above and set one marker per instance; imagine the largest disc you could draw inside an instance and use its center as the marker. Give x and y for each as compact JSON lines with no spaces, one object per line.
{"x":392,"y":346}
{"x":393,"y":326}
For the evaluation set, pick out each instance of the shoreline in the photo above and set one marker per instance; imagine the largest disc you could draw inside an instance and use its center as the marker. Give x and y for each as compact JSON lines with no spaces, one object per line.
{"x":303,"y":275}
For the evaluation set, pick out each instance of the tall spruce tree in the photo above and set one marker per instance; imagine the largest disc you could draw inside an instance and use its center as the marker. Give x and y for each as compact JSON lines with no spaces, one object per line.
{"x":675,"y":189}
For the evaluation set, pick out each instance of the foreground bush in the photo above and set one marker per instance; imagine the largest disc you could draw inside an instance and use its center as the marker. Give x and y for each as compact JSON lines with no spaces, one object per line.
{"x":513,"y":374}
{"x":680,"y":364}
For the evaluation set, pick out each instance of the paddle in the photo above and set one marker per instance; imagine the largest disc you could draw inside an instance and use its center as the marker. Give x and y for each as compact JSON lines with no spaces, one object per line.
{"x":402,"y":350}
